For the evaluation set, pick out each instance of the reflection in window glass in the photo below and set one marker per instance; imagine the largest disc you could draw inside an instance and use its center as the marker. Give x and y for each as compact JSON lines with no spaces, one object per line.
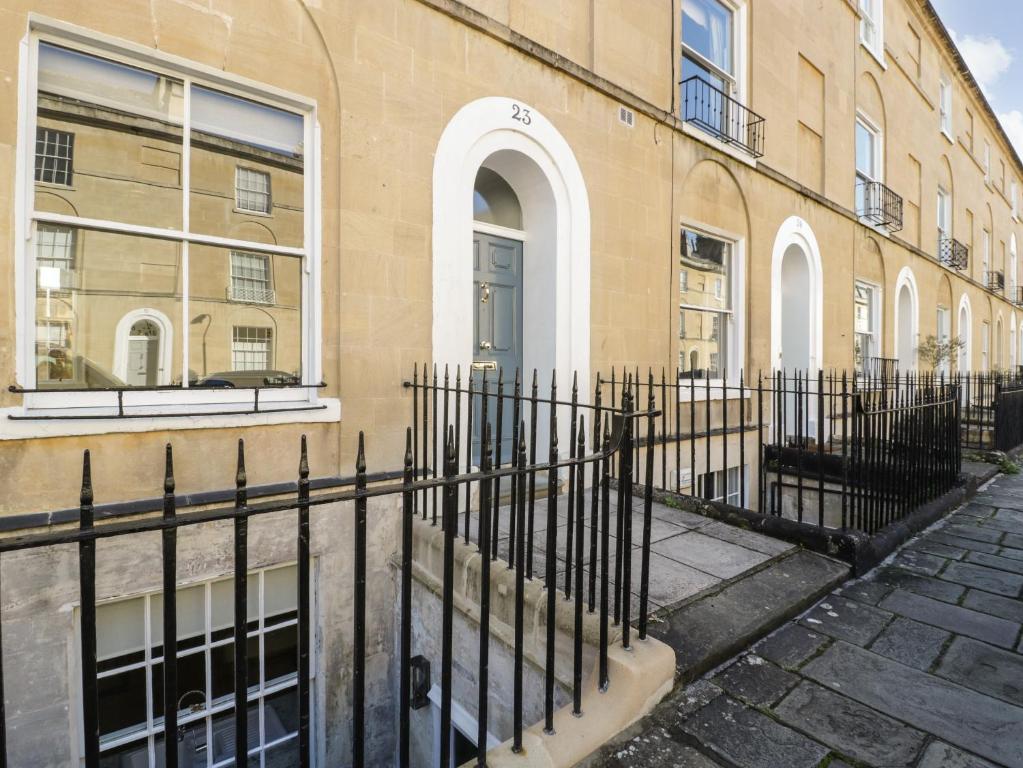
{"x":246,"y":158}
{"x":131,"y":719}
{"x":109,"y":311}
{"x":704,"y":304}
{"x":246,"y":321}
{"x":494,"y":201}
{"x":707,"y":31}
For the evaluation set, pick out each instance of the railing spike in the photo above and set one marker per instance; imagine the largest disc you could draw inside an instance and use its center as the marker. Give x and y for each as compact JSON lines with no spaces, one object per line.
{"x":240,"y":478}
{"x":303,"y":460}
{"x":168,"y":471}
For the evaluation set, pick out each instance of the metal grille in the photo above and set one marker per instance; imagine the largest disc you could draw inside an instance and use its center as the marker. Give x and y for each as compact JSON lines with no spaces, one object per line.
{"x":252,"y":190}
{"x":54,"y":156}
{"x":250,"y":349}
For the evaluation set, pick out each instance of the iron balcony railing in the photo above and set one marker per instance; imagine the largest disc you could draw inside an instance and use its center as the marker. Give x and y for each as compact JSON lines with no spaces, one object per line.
{"x":879,"y":205}
{"x":721,"y":116}
{"x":879,"y":368}
{"x":1016,"y":295}
{"x":952,"y":253}
{"x":251,"y":295}
{"x":994,"y":279}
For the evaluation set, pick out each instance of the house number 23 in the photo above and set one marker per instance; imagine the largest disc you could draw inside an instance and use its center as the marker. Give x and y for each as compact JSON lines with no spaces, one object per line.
{"x":521,"y":114}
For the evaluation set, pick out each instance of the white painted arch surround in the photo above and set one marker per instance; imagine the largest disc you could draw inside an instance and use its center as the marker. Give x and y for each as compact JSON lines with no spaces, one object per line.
{"x":165,"y":348}
{"x":907,"y":280}
{"x":795,"y":231}
{"x":966,"y":334}
{"x":538,"y":163}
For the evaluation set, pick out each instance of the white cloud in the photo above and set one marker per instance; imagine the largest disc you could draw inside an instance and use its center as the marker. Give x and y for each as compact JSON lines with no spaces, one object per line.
{"x":1013,"y":123}
{"x":987,"y":58}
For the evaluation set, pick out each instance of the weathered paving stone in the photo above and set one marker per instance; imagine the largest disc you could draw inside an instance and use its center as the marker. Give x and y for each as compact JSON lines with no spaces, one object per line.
{"x":910,"y":642}
{"x":918,"y":562}
{"x":791,"y":645}
{"x":756,"y":681}
{"x":996,"y":561}
{"x":1005,"y":526}
{"x":849,"y":727}
{"x":974,"y":532}
{"x":869,"y":592}
{"x":656,"y":747}
{"x":977,"y":510}
{"x":1013,"y":540}
{"x":984,"y":668}
{"x":846,"y":620}
{"x":1009,"y":552}
{"x":719,"y":558}
{"x":750,"y":739}
{"x":1012,"y":515}
{"x":941,"y":755}
{"x":682,"y":704}
{"x":937,"y":549}
{"x":963,"y":543}
{"x":962,"y":621}
{"x":922,"y":585}
{"x":755,"y":541}
{"x":967,"y":719}
{"x":996,"y":605}
{"x":980,"y":577}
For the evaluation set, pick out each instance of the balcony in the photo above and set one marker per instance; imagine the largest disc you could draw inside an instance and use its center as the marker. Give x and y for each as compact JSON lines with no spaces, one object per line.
{"x":952,"y":253}
{"x":1016,"y":295}
{"x":879,"y":205}
{"x":879,"y":368}
{"x":995,"y":280}
{"x":724,"y":118}
{"x":249,"y":295}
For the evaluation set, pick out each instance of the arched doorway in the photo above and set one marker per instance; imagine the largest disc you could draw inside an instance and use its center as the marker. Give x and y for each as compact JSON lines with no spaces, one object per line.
{"x":796,"y":298}
{"x":906,"y":320}
{"x":532,"y":160}
{"x":965,"y":333}
{"x":143,"y":346}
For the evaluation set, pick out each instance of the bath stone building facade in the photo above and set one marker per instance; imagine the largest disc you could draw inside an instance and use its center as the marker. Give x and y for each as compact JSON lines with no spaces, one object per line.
{"x":201,"y":200}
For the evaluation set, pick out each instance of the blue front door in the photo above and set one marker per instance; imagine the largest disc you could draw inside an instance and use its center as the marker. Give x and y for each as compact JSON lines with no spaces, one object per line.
{"x":497,"y":330}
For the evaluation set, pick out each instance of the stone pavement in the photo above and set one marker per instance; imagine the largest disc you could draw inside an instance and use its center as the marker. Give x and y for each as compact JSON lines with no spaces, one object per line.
{"x":918,"y":664}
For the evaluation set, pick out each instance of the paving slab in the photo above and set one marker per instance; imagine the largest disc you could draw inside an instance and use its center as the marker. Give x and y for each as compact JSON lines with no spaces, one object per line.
{"x":937,"y":549}
{"x":980,"y":577}
{"x":919,"y":562}
{"x":1010,"y":564}
{"x":984,"y":668}
{"x":973,"y":509}
{"x":755,"y":541}
{"x":791,"y":645}
{"x":714,"y":628}
{"x":921,"y":585}
{"x":846,"y":620}
{"x":709,"y":554}
{"x":1013,"y":540}
{"x":911,"y":643}
{"x":1009,"y":552}
{"x":657,"y":747}
{"x":964,"y":717}
{"x":963,"y":621}
{"x":1010,"y":514}
{"x":996,"y":605}
{"x":1000,"y":524}
{"x":963,"y":543}
{"x":754,"y":680}
{"x":750,"y":739}
{"x":941,"y":755}
{"x":849,"y":727}
{"x":869,"y":592}
{"x":974,"y":532}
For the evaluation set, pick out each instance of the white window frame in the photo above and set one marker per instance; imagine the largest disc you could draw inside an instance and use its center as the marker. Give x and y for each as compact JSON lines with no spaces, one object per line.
{"x":185,"y":399}
{"x":735,"y":79}
{"x":151,"y":728}
{"x":987,"y":161}
{"x":945,"y":106}
{"x":1014,"y":198}
{"x":736,"y":324}
{"x":872,"y":14}
{"x":734,"y":481}
{"x":461,"y":720}
{"x":985,"y":346}
{"x":239,"y":172}
{"x":267,"y":334}
{"x":944,"y":335}
{"x":238,"y":294}
{"x":985,"y":253}
{"x":70,"y":159}
{"x":876,"y":308}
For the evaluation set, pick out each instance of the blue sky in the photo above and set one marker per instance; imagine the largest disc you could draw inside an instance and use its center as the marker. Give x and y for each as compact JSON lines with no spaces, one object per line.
{"x":989,"y":34}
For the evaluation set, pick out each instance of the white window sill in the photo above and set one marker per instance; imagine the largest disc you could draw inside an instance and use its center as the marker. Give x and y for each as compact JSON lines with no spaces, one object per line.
{"x":76,"y":421}
{"x":261,"y":214}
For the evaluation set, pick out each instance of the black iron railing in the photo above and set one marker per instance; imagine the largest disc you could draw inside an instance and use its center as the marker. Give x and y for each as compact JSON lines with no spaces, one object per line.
{"x":1008,"y":413}
{"x":601,"y":436}
{"x":879,"y":205}
{"x":995,"y":280}
{"x":879,"y":369}
{"x":835,"y":450}
{"x":953,"y":254}
{"x":720,"y":115}
{"x":1016,"y":295}
{"x":986,"y":421}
